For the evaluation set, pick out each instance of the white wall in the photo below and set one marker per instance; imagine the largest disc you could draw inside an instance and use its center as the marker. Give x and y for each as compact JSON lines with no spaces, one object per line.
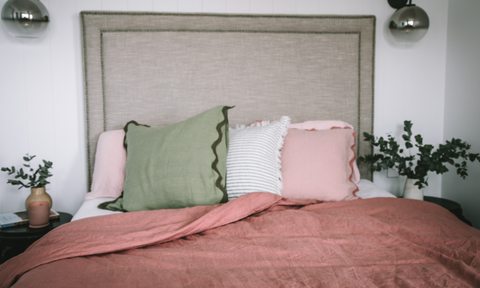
{"x":462,"y":101}
{"x":41,"y":95}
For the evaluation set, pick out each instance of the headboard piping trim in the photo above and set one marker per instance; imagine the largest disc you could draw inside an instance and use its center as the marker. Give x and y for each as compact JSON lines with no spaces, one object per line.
{"x":103,"y":83}
{"x":226,"y":31}
{"x":85,"y":83}
{"x":373,"y":83}
{"x":358,"y":143}
{"x":119,"y":13}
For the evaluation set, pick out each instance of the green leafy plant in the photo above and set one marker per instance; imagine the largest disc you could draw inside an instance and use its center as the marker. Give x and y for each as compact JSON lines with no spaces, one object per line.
{"x":36,"y":178}
{"x":417,"y":166}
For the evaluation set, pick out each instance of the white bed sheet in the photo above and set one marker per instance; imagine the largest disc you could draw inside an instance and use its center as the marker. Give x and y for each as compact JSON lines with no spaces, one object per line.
{"x":367,"y":189}
{"x":89,"y":208}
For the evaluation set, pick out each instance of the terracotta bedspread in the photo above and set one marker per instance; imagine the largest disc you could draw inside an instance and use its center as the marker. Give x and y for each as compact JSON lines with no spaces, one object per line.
{"x":258,"y":240}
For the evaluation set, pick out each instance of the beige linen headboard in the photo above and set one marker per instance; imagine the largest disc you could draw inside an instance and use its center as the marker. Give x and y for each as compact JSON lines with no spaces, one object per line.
{"x":161,"y":68}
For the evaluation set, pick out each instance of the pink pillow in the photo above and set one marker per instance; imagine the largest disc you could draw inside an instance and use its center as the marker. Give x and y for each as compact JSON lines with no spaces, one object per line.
{"x":326,"y":125}
{"x":318,"y":164}
{"x":109,"y":171}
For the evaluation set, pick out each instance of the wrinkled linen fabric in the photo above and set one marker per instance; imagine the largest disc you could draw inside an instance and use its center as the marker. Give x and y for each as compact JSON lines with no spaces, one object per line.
{"x":258,"y":240}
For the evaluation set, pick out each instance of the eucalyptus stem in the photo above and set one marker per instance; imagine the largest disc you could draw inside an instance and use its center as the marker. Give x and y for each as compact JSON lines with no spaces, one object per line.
{"x":33,"y":182}
{"x":417,"y":166}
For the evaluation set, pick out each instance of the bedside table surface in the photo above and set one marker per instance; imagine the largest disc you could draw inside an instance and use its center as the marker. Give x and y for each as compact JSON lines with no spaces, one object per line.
{"x":14,"y":240}
{"x":450,"y":205}
{"x":445,"y":203}
{"x":24,"y":231}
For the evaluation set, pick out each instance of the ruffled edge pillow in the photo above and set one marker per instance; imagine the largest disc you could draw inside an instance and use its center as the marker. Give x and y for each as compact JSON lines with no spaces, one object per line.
{"x":327,"y":125}
{"x":318,"y":164}
{"x":254,"y":158}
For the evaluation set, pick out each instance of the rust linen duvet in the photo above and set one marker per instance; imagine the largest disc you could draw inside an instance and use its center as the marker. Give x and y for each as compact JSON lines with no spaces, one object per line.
{"x":258,"y":240}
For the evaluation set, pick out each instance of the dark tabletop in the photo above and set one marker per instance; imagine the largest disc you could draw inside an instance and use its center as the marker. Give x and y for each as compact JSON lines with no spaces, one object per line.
{"x":445,"y":203}
{"x":24,"y":231}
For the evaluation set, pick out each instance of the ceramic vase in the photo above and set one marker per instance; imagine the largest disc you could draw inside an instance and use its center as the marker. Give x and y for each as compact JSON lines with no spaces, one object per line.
{"x":38,"y":214}
{"x":38,"y":195}
{"x":412,"y":191}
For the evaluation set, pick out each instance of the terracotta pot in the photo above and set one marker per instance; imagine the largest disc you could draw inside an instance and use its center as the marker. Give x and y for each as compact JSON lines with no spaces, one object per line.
{"x":412,"y":191}
{"x":38,"y":195}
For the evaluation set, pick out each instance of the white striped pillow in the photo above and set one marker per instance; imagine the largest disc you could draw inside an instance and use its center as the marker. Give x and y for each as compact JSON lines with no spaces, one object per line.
{"x":253,"y":160}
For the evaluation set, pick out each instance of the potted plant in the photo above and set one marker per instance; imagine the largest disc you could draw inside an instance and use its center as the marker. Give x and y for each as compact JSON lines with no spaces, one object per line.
{"x":36,"y":180}
{"x":417,"y":166}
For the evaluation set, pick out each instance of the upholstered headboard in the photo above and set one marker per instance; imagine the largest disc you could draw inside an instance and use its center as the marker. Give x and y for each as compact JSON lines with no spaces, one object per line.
{"x":161,"y":68}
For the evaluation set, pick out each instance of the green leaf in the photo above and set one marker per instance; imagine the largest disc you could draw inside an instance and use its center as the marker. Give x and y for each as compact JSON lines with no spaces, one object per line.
{"x":419,"y":139}
{"x":407,"y":126}
{"x":473,"y":157}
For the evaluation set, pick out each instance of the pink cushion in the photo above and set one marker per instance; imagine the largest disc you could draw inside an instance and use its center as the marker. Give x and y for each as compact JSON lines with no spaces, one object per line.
{"x":319,"y":164}
{"x":326,"y":125}
{"x":109,"y":171}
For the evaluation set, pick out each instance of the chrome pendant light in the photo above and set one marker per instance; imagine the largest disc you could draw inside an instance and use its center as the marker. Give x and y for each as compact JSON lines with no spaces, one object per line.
{"x":409,"y":23}
{"x":25,"y":18}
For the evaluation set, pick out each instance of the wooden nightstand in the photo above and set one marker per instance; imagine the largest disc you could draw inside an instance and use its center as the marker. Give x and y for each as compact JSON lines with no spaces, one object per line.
{"x":450,"y":205}
{"x":15,"y":240}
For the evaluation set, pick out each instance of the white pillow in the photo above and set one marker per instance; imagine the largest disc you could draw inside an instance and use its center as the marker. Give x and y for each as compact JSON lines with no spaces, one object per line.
{"x":253,"y":160}
{"x":367,"y":190}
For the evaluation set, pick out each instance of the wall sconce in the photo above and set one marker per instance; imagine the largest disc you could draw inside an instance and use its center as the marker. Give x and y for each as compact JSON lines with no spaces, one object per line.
{"x":25,"y":18}
{"x":409,"y":23}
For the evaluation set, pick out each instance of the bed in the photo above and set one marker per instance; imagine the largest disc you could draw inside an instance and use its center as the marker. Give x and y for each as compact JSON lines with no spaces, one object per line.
{"x":289,"y":83}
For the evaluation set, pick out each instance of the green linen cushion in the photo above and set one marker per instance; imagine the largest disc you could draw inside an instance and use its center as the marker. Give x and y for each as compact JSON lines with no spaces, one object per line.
{"x":177,"y":166}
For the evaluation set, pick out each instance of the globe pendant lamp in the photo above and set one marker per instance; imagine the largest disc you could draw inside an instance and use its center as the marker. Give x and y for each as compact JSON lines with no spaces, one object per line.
{"x":409,"y":23}
{"x":25,"y":18}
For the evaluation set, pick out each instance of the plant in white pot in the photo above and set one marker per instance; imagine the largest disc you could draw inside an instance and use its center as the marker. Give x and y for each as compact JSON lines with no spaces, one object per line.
{"x":417,"y":166}
{"x":36,"y":180}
